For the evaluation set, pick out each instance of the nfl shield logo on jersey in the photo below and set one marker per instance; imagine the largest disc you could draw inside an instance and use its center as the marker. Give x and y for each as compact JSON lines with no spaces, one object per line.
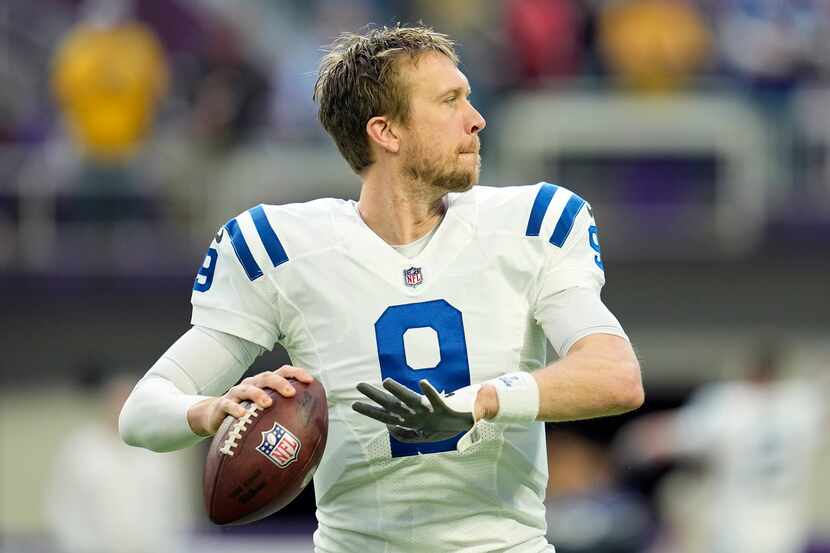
{"x":412,"y":276}
{"x":280,"y":446}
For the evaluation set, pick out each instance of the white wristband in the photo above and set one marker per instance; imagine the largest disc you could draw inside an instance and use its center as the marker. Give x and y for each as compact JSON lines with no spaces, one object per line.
{"x":518,"y":395}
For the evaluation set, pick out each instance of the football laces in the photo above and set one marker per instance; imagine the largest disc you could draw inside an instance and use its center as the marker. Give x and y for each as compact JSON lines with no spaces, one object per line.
{"x":237,"y":429}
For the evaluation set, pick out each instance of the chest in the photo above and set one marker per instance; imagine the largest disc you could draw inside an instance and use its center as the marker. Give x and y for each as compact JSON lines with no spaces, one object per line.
{"x":454,"y":322}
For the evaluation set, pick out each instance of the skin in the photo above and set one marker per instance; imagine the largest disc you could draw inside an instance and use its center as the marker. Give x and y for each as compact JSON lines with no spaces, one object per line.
{"x":416,"y":163}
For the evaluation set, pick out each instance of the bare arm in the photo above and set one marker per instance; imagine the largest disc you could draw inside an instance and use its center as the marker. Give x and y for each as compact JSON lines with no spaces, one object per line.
{"x":600,"y":376}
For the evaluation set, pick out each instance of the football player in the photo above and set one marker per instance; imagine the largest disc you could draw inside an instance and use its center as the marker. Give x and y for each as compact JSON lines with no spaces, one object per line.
{"x":759,"y":438}
{"x":422,"y":308}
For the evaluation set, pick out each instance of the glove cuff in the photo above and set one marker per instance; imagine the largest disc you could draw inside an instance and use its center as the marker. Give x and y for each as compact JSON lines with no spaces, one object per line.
{"x":518,"y":395}
{"x":462,"y":400}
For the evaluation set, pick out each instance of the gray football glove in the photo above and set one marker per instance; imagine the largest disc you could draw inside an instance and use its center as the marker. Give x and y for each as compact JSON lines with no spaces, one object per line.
{"x":415,"y":418}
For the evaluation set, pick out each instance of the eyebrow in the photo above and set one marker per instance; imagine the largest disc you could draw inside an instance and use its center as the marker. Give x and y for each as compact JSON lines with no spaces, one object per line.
{"x":457,"y":90}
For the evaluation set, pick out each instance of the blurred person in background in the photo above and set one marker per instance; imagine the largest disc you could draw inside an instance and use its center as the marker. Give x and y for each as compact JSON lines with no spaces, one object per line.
{"x":772,"y":49}
{"x":772,"y":45}
{"x":106,"y":497}
{"x":544,"y":38}
{"x":587,"y":509}
{"x":653,"y":46}
{"x":110,"y":72}
{"x":758,"y":440}
{"x":28,"y":31}
{"x":202,"y":159}
{"x":109,"y":75}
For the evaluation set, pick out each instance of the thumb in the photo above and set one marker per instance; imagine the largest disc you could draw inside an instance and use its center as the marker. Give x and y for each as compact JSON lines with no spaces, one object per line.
{"x":432,"y":395}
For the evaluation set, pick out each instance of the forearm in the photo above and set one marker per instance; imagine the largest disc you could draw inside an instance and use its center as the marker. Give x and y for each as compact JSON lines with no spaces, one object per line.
{"x":585,"y":385}
{"x":599,"y":377}
{"x":155,"y":416}
{"x":166,"y":409}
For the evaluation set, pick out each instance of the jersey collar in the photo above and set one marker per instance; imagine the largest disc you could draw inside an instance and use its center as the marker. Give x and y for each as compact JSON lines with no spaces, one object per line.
{"x":454,"y":234}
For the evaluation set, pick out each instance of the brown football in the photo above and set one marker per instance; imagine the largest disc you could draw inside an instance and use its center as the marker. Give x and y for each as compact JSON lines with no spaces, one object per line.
{"x":260,"y":462}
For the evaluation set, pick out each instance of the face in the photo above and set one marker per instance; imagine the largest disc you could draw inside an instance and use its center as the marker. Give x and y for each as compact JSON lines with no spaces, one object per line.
{"x":440,"y":144}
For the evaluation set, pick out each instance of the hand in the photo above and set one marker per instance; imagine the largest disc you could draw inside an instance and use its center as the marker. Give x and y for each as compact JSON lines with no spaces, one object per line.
{"x":206,"y":416}
{"x":412,"y":417}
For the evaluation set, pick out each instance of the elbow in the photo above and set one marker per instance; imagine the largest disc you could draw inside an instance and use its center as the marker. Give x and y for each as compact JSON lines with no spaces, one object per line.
{"x":631,"y":394}
{"x":132,"y":432}
{"x":127,"y":429}
{"x":133,"y":435}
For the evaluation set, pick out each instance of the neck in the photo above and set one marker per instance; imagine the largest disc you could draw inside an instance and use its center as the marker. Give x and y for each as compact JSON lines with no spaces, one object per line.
{"x":397,"y":208}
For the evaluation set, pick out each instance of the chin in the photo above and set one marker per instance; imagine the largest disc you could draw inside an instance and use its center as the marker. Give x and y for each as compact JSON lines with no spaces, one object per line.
{"x":459,"y":182}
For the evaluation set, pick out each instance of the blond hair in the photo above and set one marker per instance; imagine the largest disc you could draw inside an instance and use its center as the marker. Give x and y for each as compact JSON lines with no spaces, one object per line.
{"x":360,"y":78}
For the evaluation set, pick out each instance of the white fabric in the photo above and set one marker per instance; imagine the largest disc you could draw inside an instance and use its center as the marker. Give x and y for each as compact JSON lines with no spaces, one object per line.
{"x":462,"y":400}
{"x":568,"y":304}
{"x":414,"y":248}
{"x":341,"y":308}
{"x":518,"y":395}
{"x":200,"y":364}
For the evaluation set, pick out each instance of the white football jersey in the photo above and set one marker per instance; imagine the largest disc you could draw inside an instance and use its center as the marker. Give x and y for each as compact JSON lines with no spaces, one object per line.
{"x":761,"y":443}
{"x":504,"y":264}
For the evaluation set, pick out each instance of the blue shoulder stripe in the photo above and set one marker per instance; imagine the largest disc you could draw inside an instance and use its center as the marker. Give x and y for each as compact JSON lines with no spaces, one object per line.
{"x":540,"y":207}
{"x":566,"y":221}
{"x":269,"y":238}
{"x":243,"y":253}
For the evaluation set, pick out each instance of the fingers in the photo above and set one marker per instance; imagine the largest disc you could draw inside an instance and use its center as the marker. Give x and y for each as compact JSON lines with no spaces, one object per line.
{"x":384,"y":399}
{"x":252,"y":389}
{"x":432,"y":395}
{"x":278,"y":380}
{"x":410,"y":398}
{"x":297,"y":373}
{"x":376,"y":413}
{"x":245,"y":391}
{"x":230,"y":407}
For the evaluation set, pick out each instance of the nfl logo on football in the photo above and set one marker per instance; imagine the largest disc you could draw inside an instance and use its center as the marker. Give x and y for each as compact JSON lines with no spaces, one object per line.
{"x":280,"y":446}
{"x":412,"y":276}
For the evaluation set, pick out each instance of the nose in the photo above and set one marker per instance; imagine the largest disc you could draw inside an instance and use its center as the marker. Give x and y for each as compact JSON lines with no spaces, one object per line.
{"x":476,"y":121}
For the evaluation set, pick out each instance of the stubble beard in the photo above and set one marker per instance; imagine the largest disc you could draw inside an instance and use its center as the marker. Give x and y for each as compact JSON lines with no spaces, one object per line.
{"x":444,"y":176}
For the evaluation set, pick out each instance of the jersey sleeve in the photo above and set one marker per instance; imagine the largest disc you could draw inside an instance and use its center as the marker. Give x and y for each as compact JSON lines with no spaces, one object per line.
{"x":568,"y":304}
{"x":231,"y":294}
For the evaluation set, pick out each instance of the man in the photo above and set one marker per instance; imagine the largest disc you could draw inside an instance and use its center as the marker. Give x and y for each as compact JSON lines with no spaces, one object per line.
{"x":759,"y":438}
{"x":102,"y":496}
{"x":426,"y":284}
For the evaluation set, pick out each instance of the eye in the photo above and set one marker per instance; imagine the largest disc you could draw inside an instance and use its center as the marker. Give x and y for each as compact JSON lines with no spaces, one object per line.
{"x":451,"y":99}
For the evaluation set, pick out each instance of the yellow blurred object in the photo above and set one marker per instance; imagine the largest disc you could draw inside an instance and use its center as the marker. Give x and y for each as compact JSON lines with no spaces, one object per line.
{"x":653,"y":45}
{"x":108,"y":81}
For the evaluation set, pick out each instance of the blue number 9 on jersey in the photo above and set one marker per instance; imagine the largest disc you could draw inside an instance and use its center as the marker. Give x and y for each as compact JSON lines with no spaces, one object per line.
{"x":204,"y":278}
{"x":452,"y":371}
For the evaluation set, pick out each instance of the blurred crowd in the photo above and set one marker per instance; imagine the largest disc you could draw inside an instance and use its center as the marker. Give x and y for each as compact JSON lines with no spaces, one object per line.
{"x":168,"y":110}
{"x":253,"y":62}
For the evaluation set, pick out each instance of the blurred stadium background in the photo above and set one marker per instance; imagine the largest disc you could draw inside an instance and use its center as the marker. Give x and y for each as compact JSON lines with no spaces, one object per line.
{"x":131,"y":130}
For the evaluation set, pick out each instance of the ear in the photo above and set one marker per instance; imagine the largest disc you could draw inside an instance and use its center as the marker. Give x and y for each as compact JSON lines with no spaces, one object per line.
{"x":382,"y":133}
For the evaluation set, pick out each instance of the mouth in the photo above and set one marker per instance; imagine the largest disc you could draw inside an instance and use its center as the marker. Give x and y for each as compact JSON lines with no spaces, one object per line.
{"x":473,"y":148}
